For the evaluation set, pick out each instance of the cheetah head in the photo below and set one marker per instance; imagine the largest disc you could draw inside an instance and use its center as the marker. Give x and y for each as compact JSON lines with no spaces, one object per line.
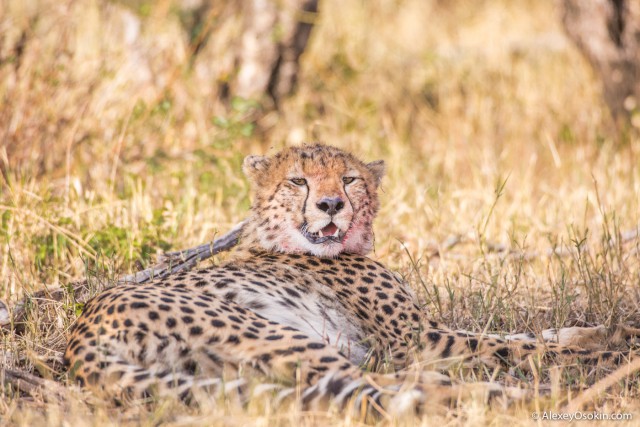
{"x":313,"y":199}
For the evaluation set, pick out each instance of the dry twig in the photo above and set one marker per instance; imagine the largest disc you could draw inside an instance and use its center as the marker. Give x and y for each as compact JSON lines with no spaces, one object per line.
{"x":601,"y":386}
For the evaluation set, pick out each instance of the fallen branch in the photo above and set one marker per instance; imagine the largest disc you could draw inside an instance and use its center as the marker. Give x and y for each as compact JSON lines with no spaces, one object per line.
{"x":31,"y":385}
{"x":501,"y":249}
{"x":169,"y":263}
{"x":172,"y":262}
{"x":625,"y":237}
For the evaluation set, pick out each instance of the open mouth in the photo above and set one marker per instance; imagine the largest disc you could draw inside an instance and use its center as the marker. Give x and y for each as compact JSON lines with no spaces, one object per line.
{"x":329,"y":233}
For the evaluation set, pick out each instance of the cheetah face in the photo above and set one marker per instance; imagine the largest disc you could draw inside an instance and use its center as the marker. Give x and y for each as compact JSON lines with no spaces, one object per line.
{"x":314,"y":199}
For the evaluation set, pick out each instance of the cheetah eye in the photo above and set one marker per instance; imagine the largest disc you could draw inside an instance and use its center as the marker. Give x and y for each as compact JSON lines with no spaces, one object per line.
{"x":348,"y":179}
{"x":298,"y":181}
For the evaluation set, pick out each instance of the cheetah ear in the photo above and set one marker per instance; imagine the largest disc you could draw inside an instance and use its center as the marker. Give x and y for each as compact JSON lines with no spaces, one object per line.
{"x":254,"y":167}
{"x":377,"y":169}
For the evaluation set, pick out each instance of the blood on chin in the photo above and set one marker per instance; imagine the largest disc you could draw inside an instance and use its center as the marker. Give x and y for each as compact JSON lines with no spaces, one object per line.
{"x":298,"y":244}
{"x":355,"y":242}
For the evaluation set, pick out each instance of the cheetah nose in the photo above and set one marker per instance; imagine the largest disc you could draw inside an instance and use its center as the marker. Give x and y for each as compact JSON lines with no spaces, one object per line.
{"x":330,"y":205}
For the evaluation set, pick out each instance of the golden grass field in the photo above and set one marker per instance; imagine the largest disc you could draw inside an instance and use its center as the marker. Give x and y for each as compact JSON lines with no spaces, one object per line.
{"x":114,"y":148}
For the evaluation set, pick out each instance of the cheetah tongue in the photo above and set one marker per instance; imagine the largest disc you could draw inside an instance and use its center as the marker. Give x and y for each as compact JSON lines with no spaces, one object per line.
{"x":329,"y":230}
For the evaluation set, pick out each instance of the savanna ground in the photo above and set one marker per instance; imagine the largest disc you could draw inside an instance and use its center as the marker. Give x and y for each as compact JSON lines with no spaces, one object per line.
{"x":114,"y":148}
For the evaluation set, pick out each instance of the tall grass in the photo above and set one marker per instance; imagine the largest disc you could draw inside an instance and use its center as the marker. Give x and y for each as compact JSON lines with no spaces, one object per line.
{"x":114,"y":147}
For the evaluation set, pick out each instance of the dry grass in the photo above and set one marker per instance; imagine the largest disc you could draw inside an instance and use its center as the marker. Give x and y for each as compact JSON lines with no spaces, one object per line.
{"x":114,"y":148}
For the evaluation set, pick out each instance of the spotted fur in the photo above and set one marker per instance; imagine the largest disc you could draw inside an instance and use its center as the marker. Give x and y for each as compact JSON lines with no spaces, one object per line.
{"x":297,"y":307}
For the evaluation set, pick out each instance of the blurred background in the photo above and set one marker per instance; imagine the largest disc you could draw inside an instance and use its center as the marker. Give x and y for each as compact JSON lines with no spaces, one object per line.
{"x":123,"y":124}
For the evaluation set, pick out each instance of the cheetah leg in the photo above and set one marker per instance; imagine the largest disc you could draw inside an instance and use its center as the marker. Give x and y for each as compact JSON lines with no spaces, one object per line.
{"x":408,"y":392}
{"x":592,"y":338}
{"x":441,"y":348}
{"x":123,"y":379}
{"x":587,"y":338}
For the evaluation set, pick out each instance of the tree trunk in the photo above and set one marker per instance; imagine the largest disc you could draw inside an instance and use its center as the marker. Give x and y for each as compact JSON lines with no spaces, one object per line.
{"x":274,"y":35}
{"x":607,"y":32}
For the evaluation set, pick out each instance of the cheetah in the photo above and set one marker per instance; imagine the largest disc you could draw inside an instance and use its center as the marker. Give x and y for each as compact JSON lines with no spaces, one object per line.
{"x":299,"y":301}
